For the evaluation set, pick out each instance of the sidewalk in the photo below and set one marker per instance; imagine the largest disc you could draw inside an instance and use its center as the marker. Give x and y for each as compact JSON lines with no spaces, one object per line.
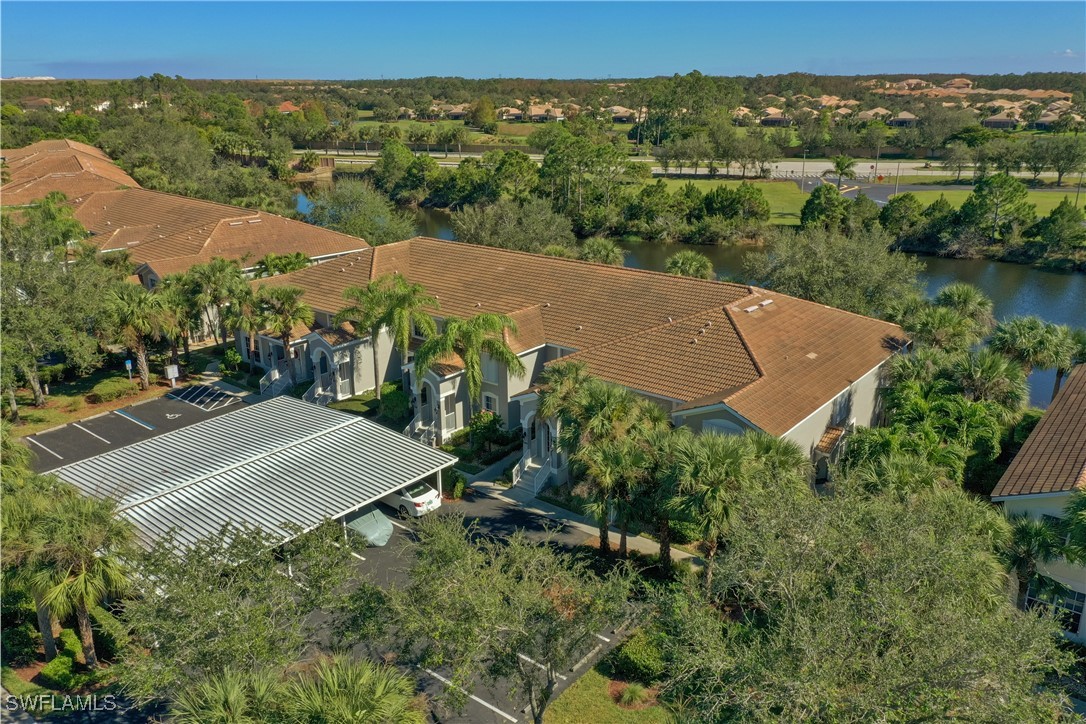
{"x":483,"y":483}
{"x":211,"y":376}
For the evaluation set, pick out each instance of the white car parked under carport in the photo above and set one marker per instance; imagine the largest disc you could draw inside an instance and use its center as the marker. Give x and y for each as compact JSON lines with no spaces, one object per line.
{"x":414,"y":500}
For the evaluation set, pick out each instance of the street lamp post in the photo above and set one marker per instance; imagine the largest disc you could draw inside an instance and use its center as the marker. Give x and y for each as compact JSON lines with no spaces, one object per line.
{"x":897,"y":178}
{"x":803,"y":171}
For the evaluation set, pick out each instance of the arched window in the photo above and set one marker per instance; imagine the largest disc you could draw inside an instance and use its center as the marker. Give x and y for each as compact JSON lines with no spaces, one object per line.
{"x":721,"y":427}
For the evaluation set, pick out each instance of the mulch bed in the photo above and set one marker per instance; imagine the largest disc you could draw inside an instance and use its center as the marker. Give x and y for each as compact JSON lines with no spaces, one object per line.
{"x":615,"y":689}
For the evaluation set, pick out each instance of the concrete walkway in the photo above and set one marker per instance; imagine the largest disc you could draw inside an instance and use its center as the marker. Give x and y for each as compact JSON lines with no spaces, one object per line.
{"x":212,"y":376}
{"x":483,"y":482}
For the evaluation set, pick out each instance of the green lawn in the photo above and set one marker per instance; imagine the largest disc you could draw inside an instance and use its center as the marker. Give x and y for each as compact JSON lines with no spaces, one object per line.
{"x":784,"y":197}
{"x":589,"y":700}
{"x":1045,"y":200}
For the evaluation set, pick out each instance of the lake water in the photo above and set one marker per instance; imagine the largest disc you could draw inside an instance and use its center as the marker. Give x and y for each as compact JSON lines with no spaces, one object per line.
{"x":1015,"y":289}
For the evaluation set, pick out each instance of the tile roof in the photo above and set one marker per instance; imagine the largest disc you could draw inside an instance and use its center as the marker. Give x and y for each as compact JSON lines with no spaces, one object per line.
{"x":829,"y":439}
{"x":74,"y":169}
{"x":166,"y":232}
{"x":1053,"y":459}
{"x":684,"y":339}
{"x":183,"y":232}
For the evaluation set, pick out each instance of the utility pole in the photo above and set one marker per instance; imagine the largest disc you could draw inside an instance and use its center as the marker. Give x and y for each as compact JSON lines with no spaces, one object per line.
{"x":897,"y":178}
{"x":803,"y":172}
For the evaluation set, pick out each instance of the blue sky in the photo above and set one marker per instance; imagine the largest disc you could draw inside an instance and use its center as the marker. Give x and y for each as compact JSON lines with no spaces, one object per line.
{"x":344,"y":40}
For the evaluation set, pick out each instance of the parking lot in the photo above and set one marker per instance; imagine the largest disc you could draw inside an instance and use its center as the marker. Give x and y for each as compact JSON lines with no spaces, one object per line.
{"x":385,"y":566}
{"x":101,"y":433}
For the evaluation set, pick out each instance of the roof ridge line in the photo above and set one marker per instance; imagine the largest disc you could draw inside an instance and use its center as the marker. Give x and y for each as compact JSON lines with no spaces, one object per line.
{"x":624,"y":269}
{"x":746,"y":346}
{"x":246,"y":461}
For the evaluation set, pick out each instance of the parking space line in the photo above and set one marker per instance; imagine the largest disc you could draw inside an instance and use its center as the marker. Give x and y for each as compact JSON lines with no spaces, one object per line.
{"x":357,"y":556}
{"x":533,"y":662}
{"x":132,"y":418}
{"x":30,"y":439}
{"x":401,"y":526}
{"x":474,"y":698}
{"x":603,"y":638}
{"x":93,"y":434}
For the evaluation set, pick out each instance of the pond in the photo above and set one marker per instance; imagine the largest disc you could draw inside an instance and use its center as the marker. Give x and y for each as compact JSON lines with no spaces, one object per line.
{"x":1015,"y":289}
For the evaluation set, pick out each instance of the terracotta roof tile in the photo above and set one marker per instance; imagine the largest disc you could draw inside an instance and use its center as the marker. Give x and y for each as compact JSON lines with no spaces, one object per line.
{"x":1053,"y":459}
{"x":636,"y":327}
{"x":74,"y":169}
{"x":829,"y":439}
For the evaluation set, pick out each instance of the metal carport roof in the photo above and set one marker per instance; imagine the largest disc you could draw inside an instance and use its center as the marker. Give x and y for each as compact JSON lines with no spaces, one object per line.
{"x":279,"y":461}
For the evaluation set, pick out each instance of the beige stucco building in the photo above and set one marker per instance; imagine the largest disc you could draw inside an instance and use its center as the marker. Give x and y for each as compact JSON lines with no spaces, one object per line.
{"x":716,"y":356}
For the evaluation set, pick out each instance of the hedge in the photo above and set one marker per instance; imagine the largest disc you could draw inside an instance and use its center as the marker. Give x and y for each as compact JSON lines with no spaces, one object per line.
{"x":70,"y":643}
{"x":57,"y":674}
{"x":110,"y":634}
{"x":114,"y":389}
{"x":639,"y":658}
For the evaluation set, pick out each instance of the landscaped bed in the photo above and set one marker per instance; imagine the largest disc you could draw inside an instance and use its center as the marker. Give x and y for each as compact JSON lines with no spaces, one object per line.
{"x":596,"y":698}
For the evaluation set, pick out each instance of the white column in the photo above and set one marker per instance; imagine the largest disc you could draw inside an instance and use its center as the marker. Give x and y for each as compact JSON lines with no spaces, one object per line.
{"x":439,"y":484}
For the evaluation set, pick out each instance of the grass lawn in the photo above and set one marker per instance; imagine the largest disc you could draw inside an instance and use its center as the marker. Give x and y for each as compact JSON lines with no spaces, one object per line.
{"x":1045,"y":200}
{"x":67,"y":401}
{"x":784,"y":197}
{"x":589,"y":700}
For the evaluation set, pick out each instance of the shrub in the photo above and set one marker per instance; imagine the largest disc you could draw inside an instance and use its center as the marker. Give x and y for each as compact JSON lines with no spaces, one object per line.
{"x":20,"y":644}
{"x":454,"y":484}
{"x":52,"y":373}
{"x":231,"y":359}
{"x":633,"y":695}
{"x":57,"y":674}
{"x":639,"y":658}
{"x":684,"y":531}
{"x":110,"y":634}
{"x":70,"y":643}
{"x":113,"y":389}
{"x":75,"y":404}
{"x":395,"y":404}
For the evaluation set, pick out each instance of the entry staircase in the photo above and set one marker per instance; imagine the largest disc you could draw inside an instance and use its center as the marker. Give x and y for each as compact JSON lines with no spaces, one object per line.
{"x":276,"y":381}
{"x":417,"y":430}
{"x":318,"y":395}
{"x":531,"y":475}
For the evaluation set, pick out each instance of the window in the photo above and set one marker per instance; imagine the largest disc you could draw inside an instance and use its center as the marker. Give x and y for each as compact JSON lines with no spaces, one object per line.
{"x":490,"y":369}
{"x":450,"y":404}
{"x":721,"y":427}
{"x":1069,"y":606}
{"x":490,"y":403}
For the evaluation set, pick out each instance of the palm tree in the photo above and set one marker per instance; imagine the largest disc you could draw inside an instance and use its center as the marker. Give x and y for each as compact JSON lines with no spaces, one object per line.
{"x":690,"y":264}
{"x":1070,"y":351}
{"x":232,"y":697}
{"x":658,"y":497}
{"x":15,"y":458}
{"x":84,"y":546}
{"x":216,"y":281}
{"x":139,"y":314}
{"x":713,"y":476}
{"x":602,"y":251}
{"x":1073,"y":526}
{"x":843,"y":167}
{"x":922,"y":366}
{"x":1030,"y":341}
{"x":470,"y":339}
{"x":968,"y":301}
{"x":368,"y":313}
{"x":247,"y":314}
{"x":178,"y":293}
{"x":604,"y":468}
{"x":984,"y":375}
{"x":408,"y":311}
{"x":778,"y":463}
{"x":1033,"y":544}
{"x":30,"y":502}
{"x":339,"y":689}
{"x":284,"y":310}
{"x":942,"y":328}
{"x":558,"y":384}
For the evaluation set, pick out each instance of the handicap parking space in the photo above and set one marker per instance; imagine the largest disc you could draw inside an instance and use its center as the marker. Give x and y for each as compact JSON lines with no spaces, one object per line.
{"x":204,"y":397}
{"x":95,"y":435}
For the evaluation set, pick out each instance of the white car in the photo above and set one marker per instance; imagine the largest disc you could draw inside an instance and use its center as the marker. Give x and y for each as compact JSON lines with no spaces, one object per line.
{"x":416,"y":500}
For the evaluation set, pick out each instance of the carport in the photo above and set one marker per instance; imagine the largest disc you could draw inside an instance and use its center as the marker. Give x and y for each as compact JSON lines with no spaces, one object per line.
{"x":273,"y":465}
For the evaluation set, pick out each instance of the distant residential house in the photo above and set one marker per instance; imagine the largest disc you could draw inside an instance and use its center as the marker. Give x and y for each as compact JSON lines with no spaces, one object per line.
{"x":716,"y":357}
{"x":1048,"y":120}
{"x":841,"y":113}
{"x":101,"y":106}
{"x":1002,"y":121}
{"x":288,"y":107}
{"x":902,"y":120}
{"x":1050,"y":467}
{"x":875,"y":114}
{"x":775,"y":118}
{"x":620,"y":114}
{"x":542,"y":113}
{"x":406,"y":114}
{"x":509,"y":113}
{"x":959,"y":84}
